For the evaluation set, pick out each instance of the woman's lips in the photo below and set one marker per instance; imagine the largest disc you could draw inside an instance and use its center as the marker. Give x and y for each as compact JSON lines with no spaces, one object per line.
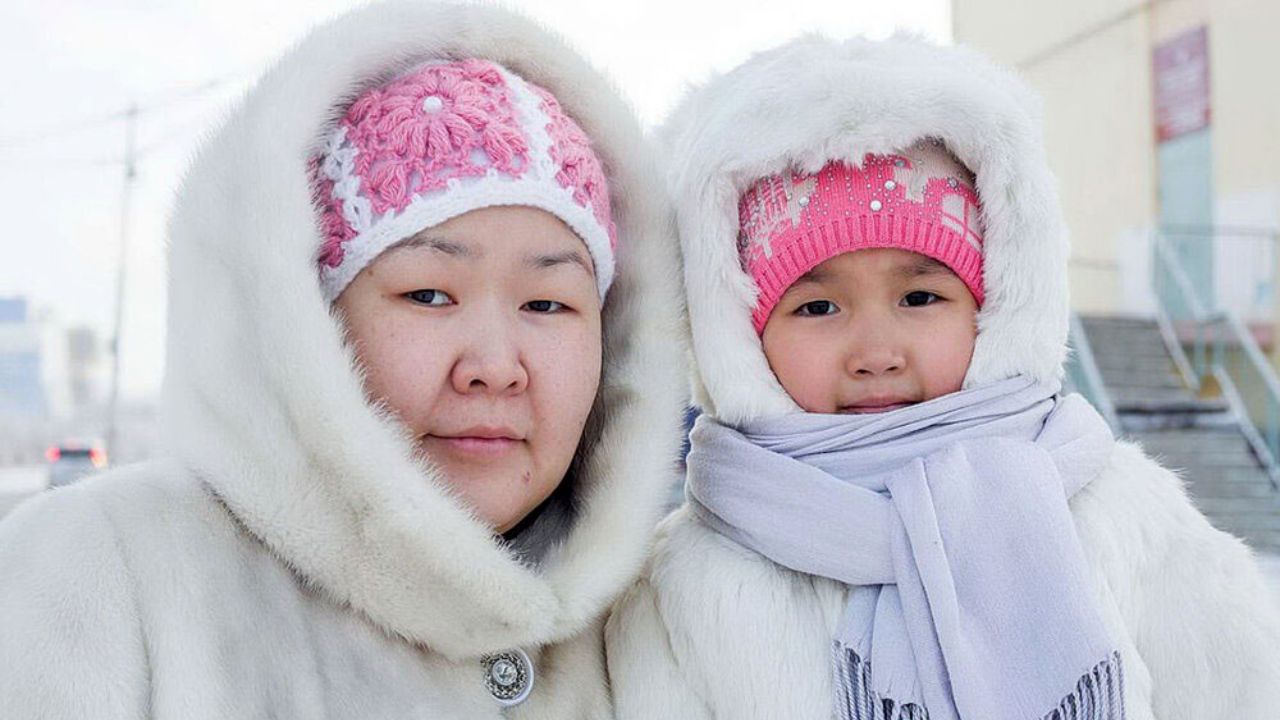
{"x":480,"y":441}
{"x":478,"y":445}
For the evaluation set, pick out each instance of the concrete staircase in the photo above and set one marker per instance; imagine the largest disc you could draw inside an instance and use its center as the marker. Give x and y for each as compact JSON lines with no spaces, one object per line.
{"x":1199,"y":437}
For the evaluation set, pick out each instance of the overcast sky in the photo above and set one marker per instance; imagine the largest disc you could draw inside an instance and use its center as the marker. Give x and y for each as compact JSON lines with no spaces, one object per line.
{"x":71,"y":67}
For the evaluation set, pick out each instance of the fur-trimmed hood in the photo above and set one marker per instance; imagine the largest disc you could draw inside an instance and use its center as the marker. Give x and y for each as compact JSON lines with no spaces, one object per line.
{"x":264,"y":402}
{"x":815,"y":100}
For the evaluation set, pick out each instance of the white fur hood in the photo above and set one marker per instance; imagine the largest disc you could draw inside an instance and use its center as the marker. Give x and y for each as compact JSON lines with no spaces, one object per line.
{"x":264,"y":403}
{"x":815,"y":100}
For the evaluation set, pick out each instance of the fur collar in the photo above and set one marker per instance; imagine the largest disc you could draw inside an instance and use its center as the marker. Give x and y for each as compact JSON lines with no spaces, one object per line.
{"x":815,"y":100}
{"x":263,"y":401}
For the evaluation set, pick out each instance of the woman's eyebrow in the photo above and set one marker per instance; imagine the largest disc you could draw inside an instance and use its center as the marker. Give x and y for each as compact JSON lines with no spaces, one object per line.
{"x":568,"y":257}
{"x":448,"y":247}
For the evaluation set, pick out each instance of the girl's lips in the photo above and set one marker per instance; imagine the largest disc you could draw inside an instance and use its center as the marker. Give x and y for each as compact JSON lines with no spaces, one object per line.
{"x":873,"y":407}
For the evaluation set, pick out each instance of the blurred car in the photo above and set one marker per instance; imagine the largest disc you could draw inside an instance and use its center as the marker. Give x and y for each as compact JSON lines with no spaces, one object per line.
{"x":70,"y":462}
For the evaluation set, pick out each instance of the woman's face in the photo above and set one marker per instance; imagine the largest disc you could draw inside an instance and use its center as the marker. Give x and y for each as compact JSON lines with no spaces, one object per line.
{"x":482,"y":335}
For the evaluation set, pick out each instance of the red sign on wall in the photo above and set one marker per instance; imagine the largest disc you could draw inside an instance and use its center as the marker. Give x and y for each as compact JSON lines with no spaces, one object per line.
{"x":1181,"y":68}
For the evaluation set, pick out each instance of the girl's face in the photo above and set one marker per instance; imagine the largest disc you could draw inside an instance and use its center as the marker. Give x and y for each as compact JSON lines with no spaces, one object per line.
{"x":872,"y":331}
{"x":482,"y":334}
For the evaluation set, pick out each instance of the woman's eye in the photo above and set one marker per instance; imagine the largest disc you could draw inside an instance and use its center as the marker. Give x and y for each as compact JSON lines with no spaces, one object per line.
{"x":544,"y":306}
{"x":430,"y":297}
{"x":817,"y":307}
{"x":919,"y":298}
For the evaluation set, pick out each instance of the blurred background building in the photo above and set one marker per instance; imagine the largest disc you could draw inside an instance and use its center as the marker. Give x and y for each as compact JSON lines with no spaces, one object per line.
{"x":1158,"y":114}
{"x":22,"y":383}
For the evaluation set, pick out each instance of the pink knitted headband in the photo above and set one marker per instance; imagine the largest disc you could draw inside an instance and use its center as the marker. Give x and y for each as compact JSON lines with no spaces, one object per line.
{"x":921,"y":199}
{"x":441,"y":140}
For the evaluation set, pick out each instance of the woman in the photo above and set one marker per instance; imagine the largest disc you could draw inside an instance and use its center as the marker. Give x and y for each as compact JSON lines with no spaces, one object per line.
{"x":421,"y":406}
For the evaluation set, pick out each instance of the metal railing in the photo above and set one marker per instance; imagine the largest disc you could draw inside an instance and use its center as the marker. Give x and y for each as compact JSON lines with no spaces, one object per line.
{"x":1211,"y":344}
{"x":1230,"y":267}
{"x":1083,"y":374}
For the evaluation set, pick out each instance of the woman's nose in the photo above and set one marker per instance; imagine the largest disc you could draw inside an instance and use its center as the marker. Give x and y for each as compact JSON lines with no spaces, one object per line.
{"x":490,"y":362}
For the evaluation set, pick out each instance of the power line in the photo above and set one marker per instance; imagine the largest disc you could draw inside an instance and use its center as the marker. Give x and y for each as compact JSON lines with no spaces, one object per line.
{"x":157,"y":103}
{"x":42,"y":137}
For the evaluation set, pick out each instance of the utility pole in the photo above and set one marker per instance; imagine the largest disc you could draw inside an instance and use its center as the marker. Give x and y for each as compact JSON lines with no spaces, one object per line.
{"x":130,"y":174}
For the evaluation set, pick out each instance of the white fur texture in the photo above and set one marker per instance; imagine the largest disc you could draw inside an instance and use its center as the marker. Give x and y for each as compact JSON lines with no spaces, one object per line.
{"x":293,"y":559}
{"x":715,"y":630}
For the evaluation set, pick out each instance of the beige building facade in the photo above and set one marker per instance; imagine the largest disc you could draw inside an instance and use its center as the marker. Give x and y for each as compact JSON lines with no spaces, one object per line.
{"x":1093,"y":62}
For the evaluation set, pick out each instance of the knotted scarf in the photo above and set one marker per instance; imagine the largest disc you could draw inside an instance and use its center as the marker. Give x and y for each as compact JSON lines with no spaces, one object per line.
{"x":949,"y":520}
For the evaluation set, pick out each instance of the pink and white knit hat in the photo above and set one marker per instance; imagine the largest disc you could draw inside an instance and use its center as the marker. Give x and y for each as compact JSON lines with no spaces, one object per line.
{"x":921,"y":199}
{"x":441,"y":140}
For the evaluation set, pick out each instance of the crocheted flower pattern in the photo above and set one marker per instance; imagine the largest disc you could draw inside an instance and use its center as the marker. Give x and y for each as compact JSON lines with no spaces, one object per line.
{"x":412,"y":136}
{"x":579,"y":168}
{"x":333,"y":227}
{"x":441,"y":122}
{"x":467,"y":126}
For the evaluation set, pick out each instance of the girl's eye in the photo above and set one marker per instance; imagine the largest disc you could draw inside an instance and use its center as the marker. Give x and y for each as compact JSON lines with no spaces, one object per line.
{"x":430,"y":297}
{"x":544,"y":306}
{"x":919,"y":298}
{"x":817,"y":307}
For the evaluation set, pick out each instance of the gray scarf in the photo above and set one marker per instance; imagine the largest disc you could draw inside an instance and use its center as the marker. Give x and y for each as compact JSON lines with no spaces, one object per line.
{"x":949,"y":519}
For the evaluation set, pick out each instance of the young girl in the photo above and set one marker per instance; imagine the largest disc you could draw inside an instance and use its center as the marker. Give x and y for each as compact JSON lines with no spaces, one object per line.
{"x":892,"y":512}
{"x":422,"y":403}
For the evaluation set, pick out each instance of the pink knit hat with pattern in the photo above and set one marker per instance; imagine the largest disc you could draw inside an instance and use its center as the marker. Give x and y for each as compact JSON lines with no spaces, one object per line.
{"x":441,"y":140}
{"x":921,"y":199}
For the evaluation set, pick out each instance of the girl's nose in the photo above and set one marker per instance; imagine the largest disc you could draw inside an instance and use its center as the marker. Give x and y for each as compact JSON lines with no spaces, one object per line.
{"x":874,"y":348}
{"x":877,"y":361}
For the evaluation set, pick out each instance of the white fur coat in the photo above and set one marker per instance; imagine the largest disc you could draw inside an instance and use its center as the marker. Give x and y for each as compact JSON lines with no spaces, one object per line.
{"x":715,"y":630}
{"x":289,"y":558}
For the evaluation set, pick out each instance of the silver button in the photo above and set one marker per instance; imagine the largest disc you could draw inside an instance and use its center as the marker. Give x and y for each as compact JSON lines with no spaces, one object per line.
{"x":876,"y":205}
{"x":889,"y":184}
{"x":508,"y":676}
{"x":504,"y":673}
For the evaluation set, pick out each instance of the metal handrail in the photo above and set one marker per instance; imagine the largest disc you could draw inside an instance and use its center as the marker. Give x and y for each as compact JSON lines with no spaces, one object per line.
{"x":1166,"y":310}
{"x":1265,"y":440}
{"x":1179,"y":311}
{"x":1215,"y":232}
{"x":1083,"y":369}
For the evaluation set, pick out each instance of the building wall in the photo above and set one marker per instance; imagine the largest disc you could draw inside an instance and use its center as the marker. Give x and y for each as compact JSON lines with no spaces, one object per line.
{"x":1015,"y":33}
{"x":1242,"y":35}
{"x":1091,"y":61}
{"x":21,"y":376}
